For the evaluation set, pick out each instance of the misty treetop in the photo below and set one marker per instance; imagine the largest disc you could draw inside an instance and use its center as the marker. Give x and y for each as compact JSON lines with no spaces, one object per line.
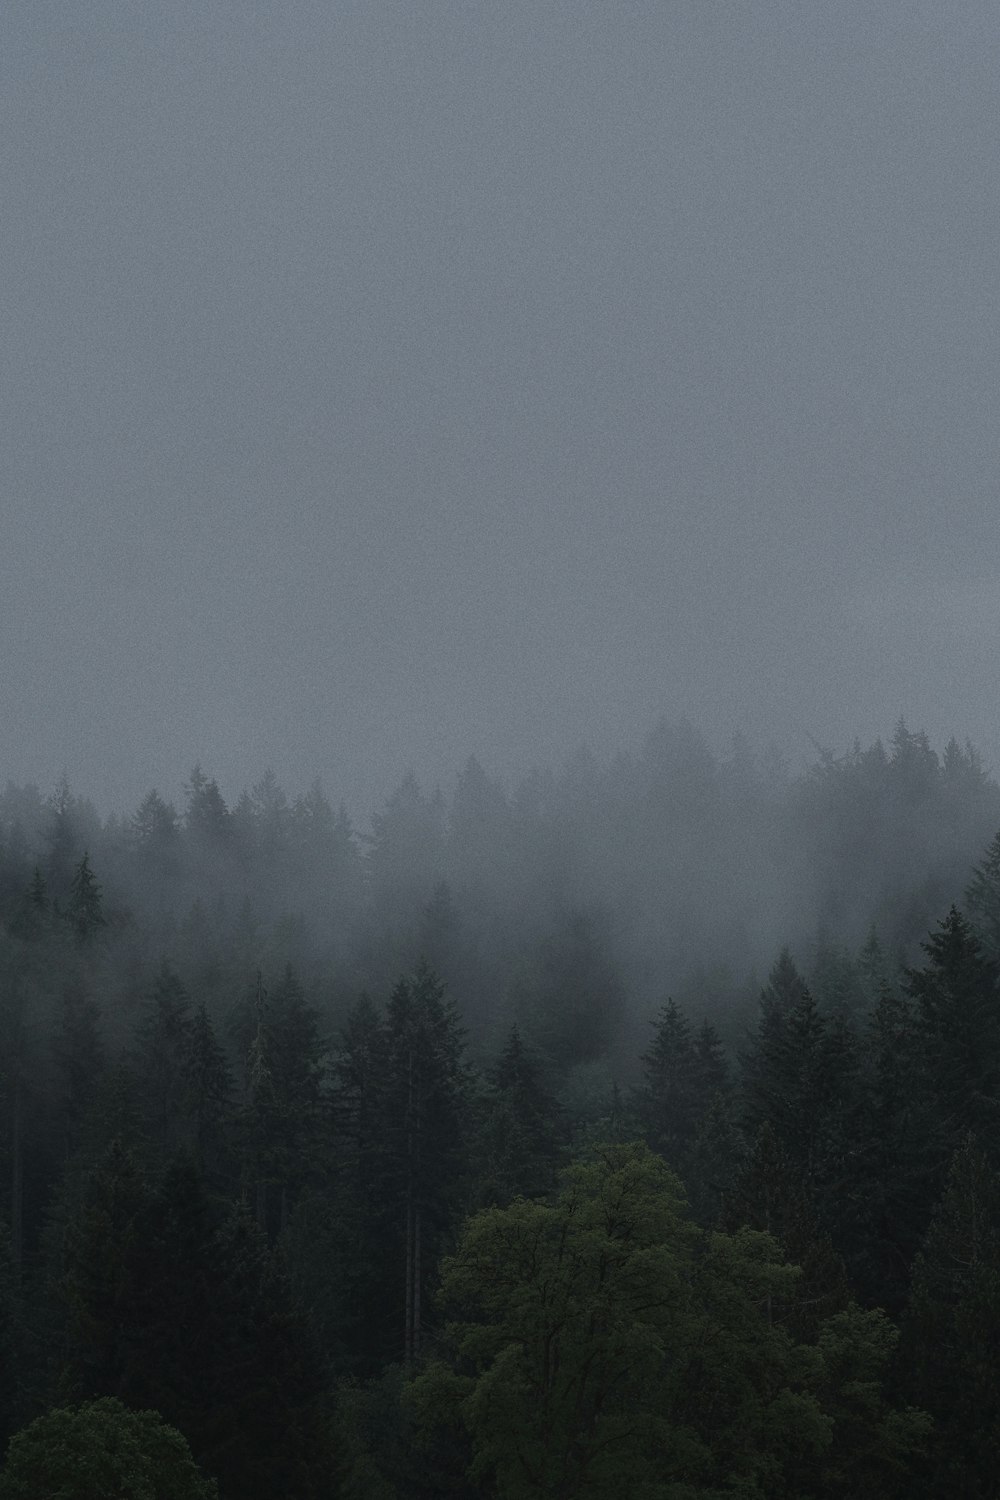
{"x":668,"y":860}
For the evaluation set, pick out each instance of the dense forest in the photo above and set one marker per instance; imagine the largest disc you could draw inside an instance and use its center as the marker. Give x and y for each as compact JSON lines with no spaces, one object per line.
{"x":633,"y":1131}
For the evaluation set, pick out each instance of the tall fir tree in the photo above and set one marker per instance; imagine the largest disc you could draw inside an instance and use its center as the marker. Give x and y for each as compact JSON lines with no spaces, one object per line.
{"x":668,"y":1100}
{"x":425,"y":1145}
{"x":957,"y":995}
{"x":85,"y":908}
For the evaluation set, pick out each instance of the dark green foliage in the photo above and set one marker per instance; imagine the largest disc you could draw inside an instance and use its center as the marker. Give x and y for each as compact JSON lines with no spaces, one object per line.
{"x":162,"y":1062}
{"x":98,"y":1284}
{"x":423,"y":1141}
{"x":209,"y":1088}
{"x":768,"y":1195}
{"x":982,"y":899}
{"x":668,"y":1102}
{"x":516,"y":1149}
{"x":99,"y":1450}
{"x":951,"y":1329}
{"x":284,"y":1119}
{"x":890,"y":1182}
{"x":958,"y":1010}
{"x":603,"y":1346}
{"x":163,"y":1307}
{"x":80,"y":1060}
{"x":798,"y":1078}
{"x":10,"y":1352}
{"x":714,"y":1162}
{"x":85,"y":908}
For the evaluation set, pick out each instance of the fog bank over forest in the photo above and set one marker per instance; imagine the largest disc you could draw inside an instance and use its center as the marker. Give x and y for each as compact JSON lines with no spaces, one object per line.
{"x":582,"y":896}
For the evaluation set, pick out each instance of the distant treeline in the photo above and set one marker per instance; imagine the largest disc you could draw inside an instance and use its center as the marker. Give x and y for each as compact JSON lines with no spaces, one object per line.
{"x":578,"y":896}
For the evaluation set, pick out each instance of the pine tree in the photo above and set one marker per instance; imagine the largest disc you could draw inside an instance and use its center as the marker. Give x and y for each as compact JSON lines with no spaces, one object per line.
{"x":668,"y":1101}
{"x":517,"y":1147}
{"x":424,"y":1133}
{"x":97,"y":1287}
{"x":768,"y":1195}
{"x":33,"y":916}
{"x":789,"y":1078}
{"x":714,"y":1161}
{"x":162,"y":1062}
{"x":896,"y":1165}
{"x":982,"y":899}
{"x":209,"y":1084}
{"x":957,"y":994}
{"x":80,"y":1059}
{"x":85,"y":911}
{"x":285,"y":1120}
{"x":359,"y":1242}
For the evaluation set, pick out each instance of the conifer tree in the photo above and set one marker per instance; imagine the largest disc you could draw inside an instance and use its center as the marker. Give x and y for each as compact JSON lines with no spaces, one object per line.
{"x":668,"y":1101}
{"x":887,"y":1197}
{"x":209,"y":1087}
{"x":97,"y":1286}
{"x":424,"y":1104}
{"x":163,"y":1060}
{"x":768,"y":1195}
{"x":285,"y":1120}
{"x":33,"y":916}
{"x":517,"y":1148}
{"x":85,"y":910}
{"x":957,"y":995}
{"x":982,"y":899}
{"x":79,"y":1057}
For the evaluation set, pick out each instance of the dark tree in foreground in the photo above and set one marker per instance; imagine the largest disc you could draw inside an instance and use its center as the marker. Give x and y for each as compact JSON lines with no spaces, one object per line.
{"x":951,"y":1329}
{"x":99,"y":1450}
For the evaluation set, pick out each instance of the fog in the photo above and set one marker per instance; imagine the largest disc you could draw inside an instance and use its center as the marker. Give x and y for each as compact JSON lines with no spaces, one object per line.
{"x":383,"y":385}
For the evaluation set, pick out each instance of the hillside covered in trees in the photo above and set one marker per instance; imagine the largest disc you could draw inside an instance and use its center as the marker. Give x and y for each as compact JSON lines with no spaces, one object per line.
{"x":631,"y":1131}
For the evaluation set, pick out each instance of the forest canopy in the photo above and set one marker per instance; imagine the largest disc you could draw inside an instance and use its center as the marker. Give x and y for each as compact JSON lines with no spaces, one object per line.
{"x":633,"y":1130}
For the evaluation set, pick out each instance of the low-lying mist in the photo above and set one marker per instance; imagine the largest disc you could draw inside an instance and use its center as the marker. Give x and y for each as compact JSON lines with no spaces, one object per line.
{"x":574,"y":902}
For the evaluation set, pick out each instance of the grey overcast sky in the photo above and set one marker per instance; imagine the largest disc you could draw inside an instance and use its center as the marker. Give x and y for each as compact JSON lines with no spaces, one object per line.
{"x":388,"y":382}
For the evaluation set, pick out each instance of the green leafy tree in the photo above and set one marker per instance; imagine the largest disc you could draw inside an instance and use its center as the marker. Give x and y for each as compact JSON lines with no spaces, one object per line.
{"x":600,"y":1346}
{"x":98,"y":1450}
